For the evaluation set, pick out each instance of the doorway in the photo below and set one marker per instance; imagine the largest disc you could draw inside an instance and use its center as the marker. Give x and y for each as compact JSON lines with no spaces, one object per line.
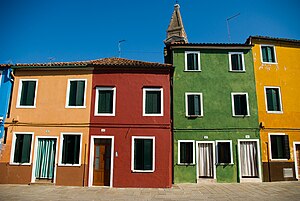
{"x":206,"y":168}
{"x":297,"y":158}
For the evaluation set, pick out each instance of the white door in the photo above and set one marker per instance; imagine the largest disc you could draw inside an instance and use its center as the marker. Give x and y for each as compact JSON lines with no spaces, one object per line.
{"x":205,"y":159}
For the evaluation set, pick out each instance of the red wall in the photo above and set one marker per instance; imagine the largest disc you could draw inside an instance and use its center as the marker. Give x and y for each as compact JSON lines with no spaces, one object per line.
{"x":129,"y":121}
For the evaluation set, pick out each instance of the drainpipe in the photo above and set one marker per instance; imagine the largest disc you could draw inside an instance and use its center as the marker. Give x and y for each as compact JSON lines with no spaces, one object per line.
{"x":83,"y":179}
{"x":268,"y":157}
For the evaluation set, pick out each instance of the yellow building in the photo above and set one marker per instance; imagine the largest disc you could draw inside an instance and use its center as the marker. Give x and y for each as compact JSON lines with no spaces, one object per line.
{"x":277,"y":74}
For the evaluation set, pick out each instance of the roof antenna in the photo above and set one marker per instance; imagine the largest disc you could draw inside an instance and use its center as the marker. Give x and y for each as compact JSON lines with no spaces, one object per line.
{"x":51,"y":59}
{"x":119,"y":47}
{"x":227,"y":21}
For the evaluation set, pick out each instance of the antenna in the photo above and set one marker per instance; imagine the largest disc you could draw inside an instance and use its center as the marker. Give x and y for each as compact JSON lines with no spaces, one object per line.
{"x":51,"y":59}
{"x":119,"y":46}
{"x":227,"y":21}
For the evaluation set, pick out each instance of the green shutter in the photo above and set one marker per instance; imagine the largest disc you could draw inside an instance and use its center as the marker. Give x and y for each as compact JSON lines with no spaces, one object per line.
{"x":236,"y":62}
{"x":270,"y":53}
{"x":153,"y":102}
{"x":148,"y":154}
{"x":22,"y":148}
{"x":76,"y":97}
{"x":192,"y":61}
{"x":143,"y":154}
{"x":183,"y":153}
{"x":264,"y":54}
{"x":240,"y":105}
{"x":105,"y":102}
{"x":273,"y":99}
{"x":28,"y":93}
{"x":286,"y":146}
{"x":138,"y":154}
{"x":71,"y":148}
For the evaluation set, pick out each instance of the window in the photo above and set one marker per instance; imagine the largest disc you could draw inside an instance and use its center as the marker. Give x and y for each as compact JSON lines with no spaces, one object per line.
{"x":153,"y":102}
{"x":27,"y":93}
{"x":280,"y":148}
{"x":268,"y":54}
{"x":273,"y":99}
{"x":76,"y":93}
{"x":224,"y":152}
{"x":236,"y":61}
{"x":21,"y":148}
{"x":240,"y":105}
{"x":105,"y":103}
{"x":186,"y":152}
{"x":192,"y":61}
{"x":1,"y":77}
{"x":143,"y":154}
{"x":70,"y":146}
{"x":193,"y":104}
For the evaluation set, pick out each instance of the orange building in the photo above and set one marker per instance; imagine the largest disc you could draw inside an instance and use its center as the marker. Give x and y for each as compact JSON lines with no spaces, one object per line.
{"x":277,"y":72}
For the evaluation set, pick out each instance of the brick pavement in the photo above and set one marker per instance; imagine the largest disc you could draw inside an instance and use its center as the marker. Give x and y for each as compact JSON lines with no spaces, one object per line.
{"x":244,"y":191}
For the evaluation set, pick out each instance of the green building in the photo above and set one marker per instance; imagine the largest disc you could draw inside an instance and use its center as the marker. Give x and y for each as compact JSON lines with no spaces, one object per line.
{"x":215,"y":118}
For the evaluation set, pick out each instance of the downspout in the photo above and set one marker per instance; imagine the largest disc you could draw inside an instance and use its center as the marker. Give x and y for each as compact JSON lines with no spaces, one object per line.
{"x":268,"y":157}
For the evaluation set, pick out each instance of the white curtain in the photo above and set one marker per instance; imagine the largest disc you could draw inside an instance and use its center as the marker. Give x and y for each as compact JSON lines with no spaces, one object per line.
{"x":248,"y":159}
{"x":205,"y":160}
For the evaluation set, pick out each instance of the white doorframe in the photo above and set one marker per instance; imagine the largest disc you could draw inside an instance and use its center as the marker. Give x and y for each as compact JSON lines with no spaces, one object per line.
{"x":35,"y":153}
{"x":258,"y":158}
{"x":214,"y":157}
{"x":295,"y":160}
{"x":90,"y":183}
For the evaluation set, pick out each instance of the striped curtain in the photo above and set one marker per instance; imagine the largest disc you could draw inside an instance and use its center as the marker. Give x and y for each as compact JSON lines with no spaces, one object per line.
{"x":45,"y":159}
{"x":206,"y":164}
{"x":249,"y":159}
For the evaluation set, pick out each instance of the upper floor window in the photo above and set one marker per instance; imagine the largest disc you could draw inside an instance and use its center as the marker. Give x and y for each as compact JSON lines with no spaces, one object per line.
{"x":236,"y":61}
{"x":76,"y":93}
{"x":192,"y":61}
{"x":21,"y":148}
{"x":240,"y":106}
{"x":273,"y":99}
{"x":153,"y":102}
{"x":194,"y":104}
{"x":143,"y":154}
{"x":70,"y":148}
{"x":105,"y":102}
{"x":280,"y":148}
{"x":27,"y":93}
{"x":268,"y":54}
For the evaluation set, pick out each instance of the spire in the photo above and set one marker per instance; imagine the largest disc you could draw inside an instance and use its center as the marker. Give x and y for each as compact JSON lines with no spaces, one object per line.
{"x":175,"y":31}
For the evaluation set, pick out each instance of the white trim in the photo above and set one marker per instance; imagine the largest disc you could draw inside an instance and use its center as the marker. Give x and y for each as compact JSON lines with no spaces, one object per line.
{"x":61,"y":149}
{"x":261,"y":56}
{"x":232,"y":104}
{"x":231,"y":152}
{"x":132,"y":153}
{"x":214,"y":157}
{"x":90,"y":181}
{"x":185,"y":60}
{"x":270,"y":149}
{"x":145,"y":89}
{"x":20,"y":91}
{"x":68,"y":93}
{"x":12,"y":152}
{"x":114,"y":101}
{"x":266,"y":99}
{"x":243,"y":62}
{"x":35,"y":156}
{"x":258,"y":161}
{"x":295,"y":160}
{"x":178,"y":151}
{"x":186,"y":104}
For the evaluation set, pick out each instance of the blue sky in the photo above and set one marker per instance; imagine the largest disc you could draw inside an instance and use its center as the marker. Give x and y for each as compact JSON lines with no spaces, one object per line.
{"x":33,"y":31}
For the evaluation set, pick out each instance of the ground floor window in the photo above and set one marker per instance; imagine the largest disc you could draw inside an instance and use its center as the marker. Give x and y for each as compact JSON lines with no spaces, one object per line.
{"x":280,"y":148}
{"x":186,"y":151}
{"x":224,"y":152}
{"x":21,"y":148}
{"x":143,"y":149}
{"x":71,"y":148}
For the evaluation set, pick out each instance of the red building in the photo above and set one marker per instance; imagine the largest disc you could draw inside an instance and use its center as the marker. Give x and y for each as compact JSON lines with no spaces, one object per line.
{"x":130,"y":125}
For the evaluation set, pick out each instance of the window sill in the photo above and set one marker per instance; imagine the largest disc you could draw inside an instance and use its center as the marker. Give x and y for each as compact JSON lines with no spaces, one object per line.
{"x":20,"y":164}
{"x":69,"y":165}
{"x":104,"y":115}
{"x":278,"y":160}
{"x":75,"y":107}
{"x":269,"y":62}
{"x":192,"y":70}
{"x":153,"y":115}
{"x":240,"y":116}
{"x":26,"y":107}
{"x":193,"y":116}
{"x":224,"y":164}
{"x":142,"y":171}
{"x":275,"y":112}
{"x":237,"y":71}
{"x":186,"y":164}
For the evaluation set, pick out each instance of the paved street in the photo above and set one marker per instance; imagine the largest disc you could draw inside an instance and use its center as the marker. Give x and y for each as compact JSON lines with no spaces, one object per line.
{"x":245,"y":191}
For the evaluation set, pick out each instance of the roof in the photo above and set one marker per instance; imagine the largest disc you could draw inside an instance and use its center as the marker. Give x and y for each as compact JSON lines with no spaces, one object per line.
{"x":272,"y":39}
{"x":5,"y":65}
{"x":211,"y":45}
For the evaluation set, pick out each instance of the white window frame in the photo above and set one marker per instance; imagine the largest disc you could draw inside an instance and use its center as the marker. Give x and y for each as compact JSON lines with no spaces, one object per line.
{"x":266,"y":99}
{"x":186,"y":104}
{"x":61,"y":149}
{"x":178,"y":151}
{"x":270,"y":149}
{"x":132,"y":153}
{"x":114,"y":101}
{"x":145,"y":89}
{"x":232,"y":103}
{"x":68,"y":93}
{"x":20,"y":92}
{"x":231,"y":152}
{"x":261,"y":54}
{"x":230,"y":64}
{"x":295,"y":159}
{"x":12,"y":152}
{"x":185,"y":61}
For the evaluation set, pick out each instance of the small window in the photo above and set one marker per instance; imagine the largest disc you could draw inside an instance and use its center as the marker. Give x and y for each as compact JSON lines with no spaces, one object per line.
{"x":236,"y":61}
{"x":76,"y":94}
{"x":27,"y":93}
{"x":280,"y":148}
{"x":268,"y":54}
{"x":240,"y":106}
{"x":70,"y":149}
{"x":224,"y":151}
{"x":192,"y":61}
{"x":153,"y":102}
{"x":273,"y":99}
{"x":143,"y":154}
{"x":21,"y":148}
{"x":105,"y":101}
{"x":194,"y":106}
{"x":186,"y":152}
